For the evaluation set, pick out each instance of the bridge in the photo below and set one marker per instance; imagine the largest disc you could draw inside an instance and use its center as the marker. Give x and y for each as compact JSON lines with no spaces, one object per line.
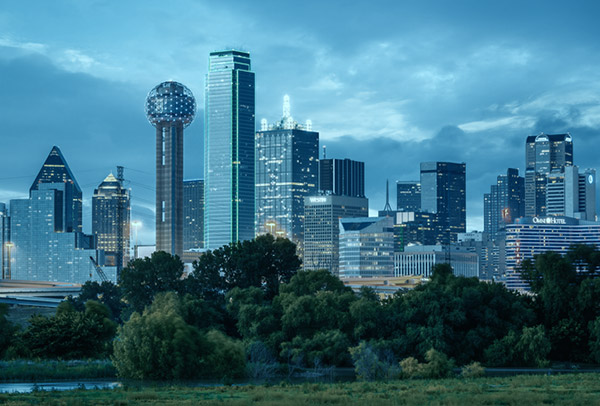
{"x":36,"y":293}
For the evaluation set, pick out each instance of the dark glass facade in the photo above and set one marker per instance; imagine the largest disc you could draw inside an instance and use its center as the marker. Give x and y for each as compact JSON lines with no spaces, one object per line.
{"x":342,"y":177}
{"x":111,"y":221}
{"x":229,"y":149}
{"x":443,"y":191}
{"x":408,"y":195}
{"x":193,"y":214}
{"x":505,"y":202}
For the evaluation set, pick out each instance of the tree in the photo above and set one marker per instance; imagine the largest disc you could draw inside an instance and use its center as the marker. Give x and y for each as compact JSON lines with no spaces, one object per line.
{"x":7,"y":330}
{"x":143,"y":278}
{"x":106,"y":293}
{"x":264,"y":262}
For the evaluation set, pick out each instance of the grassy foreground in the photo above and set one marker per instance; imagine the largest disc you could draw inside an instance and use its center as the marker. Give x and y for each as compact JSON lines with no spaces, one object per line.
{"x":49,"y":370}
{"x":572,"y":389}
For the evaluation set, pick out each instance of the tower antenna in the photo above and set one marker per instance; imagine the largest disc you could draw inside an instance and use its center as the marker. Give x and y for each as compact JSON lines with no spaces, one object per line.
{"x":387,"y":207}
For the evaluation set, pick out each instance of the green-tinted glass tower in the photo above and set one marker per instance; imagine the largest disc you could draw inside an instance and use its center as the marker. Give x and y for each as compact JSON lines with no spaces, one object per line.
{"x":229,"y":149}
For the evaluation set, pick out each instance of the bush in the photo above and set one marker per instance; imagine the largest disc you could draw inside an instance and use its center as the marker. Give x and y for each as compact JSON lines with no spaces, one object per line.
{"x":226,"y":358}
{"x":410,"y":368}
{"x":368,"y":365}
{"x":437,"y":366}
{"x":473,"y":370}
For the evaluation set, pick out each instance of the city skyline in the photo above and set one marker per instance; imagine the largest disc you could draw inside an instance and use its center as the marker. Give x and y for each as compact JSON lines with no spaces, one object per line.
{"x":444,"y":107}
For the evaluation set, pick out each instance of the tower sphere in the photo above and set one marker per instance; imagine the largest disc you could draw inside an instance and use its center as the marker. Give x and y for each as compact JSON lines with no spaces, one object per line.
{"x":170,"y":101}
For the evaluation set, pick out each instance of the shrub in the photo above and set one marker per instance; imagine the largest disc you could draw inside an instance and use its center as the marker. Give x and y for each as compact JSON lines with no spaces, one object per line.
{"x":368,"y":365}
{"x":437,"y":366}
{"x":473,"y":370}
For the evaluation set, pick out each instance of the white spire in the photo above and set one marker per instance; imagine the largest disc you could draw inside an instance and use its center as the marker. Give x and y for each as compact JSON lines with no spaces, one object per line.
{"x":308,"y":125}
{"x":286,"y":107}
{"x":263,"y":125}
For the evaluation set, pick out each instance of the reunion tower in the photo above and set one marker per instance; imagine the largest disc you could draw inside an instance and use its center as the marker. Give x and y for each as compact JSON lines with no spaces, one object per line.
{"x":170,"y":107}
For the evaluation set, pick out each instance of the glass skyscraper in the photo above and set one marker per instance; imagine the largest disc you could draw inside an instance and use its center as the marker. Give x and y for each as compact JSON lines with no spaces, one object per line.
{"x":286,"y":172}
{"x":408,"y":195}
{"x":342,"y":177}
{"x":505,"y":202}
{"x":193,"y":214}
{"x":443,"y":191}
{"x":110,"y":221}
{"x":229,"y":149}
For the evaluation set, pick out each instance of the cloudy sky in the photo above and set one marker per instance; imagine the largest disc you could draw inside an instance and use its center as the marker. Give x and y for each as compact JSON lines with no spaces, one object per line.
{"x":391,"y":83}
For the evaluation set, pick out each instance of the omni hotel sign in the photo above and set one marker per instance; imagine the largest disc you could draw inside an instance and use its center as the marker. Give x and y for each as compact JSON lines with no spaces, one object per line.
{"x":548,"y":220}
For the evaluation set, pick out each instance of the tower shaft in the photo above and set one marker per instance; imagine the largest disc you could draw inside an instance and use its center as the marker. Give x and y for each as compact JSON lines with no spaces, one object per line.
{"x":169,"y":187}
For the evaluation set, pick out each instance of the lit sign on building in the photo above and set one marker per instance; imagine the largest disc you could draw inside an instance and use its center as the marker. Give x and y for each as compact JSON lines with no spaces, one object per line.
{"x":317,"y":199}
{"x":549,"y":220}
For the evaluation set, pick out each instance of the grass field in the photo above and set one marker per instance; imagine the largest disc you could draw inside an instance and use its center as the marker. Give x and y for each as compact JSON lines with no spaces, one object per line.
{"x":572,"y":389}
{"x":25,"y":370}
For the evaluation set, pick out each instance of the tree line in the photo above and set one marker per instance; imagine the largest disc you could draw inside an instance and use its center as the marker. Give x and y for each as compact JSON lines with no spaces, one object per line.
{"x":247,"y":307}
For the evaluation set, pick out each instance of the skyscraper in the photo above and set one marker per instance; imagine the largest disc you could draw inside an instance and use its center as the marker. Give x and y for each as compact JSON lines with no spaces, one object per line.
{"x":443,"y":191}
{"x":170,"y":107}
{"x":544,"y":153}
{"x":571,"y":194}
{"x":193,"y":214}
{"x":56,"y":170}
{"x":110,"y":221}
{"x":342,"y":177}
{"x":505,"y":202}
{"x":229,"y":149}
{"x":287,"y":167}
{"x":408,"y":195}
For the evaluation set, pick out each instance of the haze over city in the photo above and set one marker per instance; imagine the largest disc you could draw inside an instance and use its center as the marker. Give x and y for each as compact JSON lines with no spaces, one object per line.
{"x":391,"y":85}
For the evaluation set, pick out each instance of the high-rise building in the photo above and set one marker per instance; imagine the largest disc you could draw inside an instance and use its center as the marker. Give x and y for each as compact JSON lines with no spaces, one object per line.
{"x":42,"y":248}
{"x":287,"y":167}
{"x":408,"y":195}
{"x":420,"y":259}
{"x":229,"y":133}
{"x":56,"y":170}
{"x":571,"y":194}
{"x":111,"y":221}
{"x":342,"y":177}
{"x":366,"y":247}
{"x":544,"y":153}
{"x":170,"y":107}
{"x":193,"y":214}
{"x":322,"y":230}
{"x":4,"y":241}
{"x":504,"y":203}
{"x":443,"y":192}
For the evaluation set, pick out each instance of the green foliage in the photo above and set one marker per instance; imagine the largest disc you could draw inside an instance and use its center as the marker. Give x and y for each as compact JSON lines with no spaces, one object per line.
{"x":437,"y":366}
{"x":368,"y":365}
{"x":161,"y":344}
{"x":594,"y":343}
{"x":264,"y":262}
{"x":70,"y":334}
{"x":530,"y":348}
{"x":473,"y":370}
{"x":106,"y":293}
{"x":7,"y":330}
{"x":142,"y":279}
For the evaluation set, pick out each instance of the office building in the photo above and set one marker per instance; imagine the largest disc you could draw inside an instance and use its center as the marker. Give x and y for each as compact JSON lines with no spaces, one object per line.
{"x":111,"y":221}
{"x":170,"y":107}
{"x":420,"y":259}
{"x":56,"y":170}
{"x":287,"y":171}
{"x":504,"y":203}
{"x":321,"y":228}
{"x":366,"y":247}
{"x":42,"y":247}
{"x":530,"y":236}
{"x":5,"y":244}
{"x":544,"y":153}
{"x":571,"y":194}
{"x":416,"y":228}
{"x":229,"y":133}
{"x":489,"y":252}
{"x":408,"y":196}
{"x":443,"y":192}
{"x":342,"y":177}
{"x":193,"y":214}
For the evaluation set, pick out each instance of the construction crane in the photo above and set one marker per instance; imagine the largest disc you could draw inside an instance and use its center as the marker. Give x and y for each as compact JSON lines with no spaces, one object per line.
{"x":99,"y":270}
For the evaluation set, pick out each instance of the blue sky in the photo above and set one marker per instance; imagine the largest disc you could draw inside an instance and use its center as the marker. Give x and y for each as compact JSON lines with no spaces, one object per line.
{"x":391,"y":83}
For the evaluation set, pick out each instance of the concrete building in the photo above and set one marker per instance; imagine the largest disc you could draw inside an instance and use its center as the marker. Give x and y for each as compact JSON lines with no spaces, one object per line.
{"x":571,"y":194}
{"x":321,"y":228}
{"x":229,"y":132}
{"x":287,"y":171}
{"x":366,"y":247}
{"x":420,"y":259}
{"x":170,"y":107}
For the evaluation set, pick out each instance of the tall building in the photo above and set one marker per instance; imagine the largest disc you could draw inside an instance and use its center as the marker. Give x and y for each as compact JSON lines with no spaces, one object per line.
{"x":571,"y":194}
{"x":56,"y":170}
{"x":229,"y":133}
{"x":322,"y":230}
{"x":111,"y":221}
{"x":193,"y":214}
{"x":170,"y":107}
{"x":443,"y":192}
{"x":408,"y":196}
{"x":366,"y":247}
{"x":5,"y":244}
{"x":504,"y":203}
{"x":287,"y":167}
{"x":342,"y":177}
{"x":544,"y":153}
{"x":420,"y":259}
{"x":42,"y":248}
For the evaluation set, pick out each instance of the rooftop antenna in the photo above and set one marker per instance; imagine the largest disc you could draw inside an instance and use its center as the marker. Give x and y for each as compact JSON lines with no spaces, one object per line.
{"x":387,"y":207}
{"x":286,"y":106}
{"x":308,"y":125}
{"x":263,"y":125}
{"x":324,"y":151}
